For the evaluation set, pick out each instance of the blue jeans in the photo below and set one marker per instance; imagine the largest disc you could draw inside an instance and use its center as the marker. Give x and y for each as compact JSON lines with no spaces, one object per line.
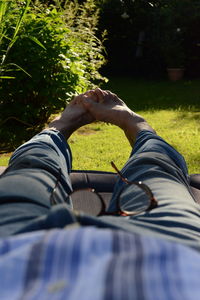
{"x":45,"y":161}
{"x":164,"y":170}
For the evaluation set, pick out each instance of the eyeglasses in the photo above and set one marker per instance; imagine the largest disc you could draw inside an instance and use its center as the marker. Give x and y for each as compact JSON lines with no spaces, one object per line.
{"x":133,"y":198}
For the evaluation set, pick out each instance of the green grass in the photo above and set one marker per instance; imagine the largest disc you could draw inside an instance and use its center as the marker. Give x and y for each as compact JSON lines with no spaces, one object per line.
{"x":149,"y":95}
{"x":104,"y":143}
{"x":97,"y":146}
{"x":4,"y":158}
{"x":171,"y":108}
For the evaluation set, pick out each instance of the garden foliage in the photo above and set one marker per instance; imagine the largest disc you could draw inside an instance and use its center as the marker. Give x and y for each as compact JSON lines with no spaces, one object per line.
{"x":56,"y":54}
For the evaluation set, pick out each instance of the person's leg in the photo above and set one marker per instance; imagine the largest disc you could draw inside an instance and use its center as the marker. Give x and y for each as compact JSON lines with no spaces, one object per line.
{"x":158,"y":165}
{"x":36,"y":168}
{"x":177,"y":216}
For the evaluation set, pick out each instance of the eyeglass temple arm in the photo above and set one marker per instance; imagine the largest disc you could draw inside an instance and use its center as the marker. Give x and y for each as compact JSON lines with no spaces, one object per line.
{"x":118,"y":172}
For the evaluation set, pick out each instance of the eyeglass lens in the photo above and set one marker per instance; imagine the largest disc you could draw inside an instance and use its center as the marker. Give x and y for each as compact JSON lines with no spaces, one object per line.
{"x":131,"y":199}
{"x":87,"y":201}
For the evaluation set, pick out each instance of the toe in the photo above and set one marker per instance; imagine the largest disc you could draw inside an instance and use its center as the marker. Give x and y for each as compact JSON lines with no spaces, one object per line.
{"x":100,"y":94}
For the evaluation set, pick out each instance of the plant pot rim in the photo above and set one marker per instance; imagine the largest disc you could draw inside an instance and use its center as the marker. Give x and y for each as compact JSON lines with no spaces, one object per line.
{"x":176,"y":68}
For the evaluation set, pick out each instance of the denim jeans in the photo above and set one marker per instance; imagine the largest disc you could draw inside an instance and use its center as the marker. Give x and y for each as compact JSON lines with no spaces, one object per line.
{"x":44,"y":162}
{"x":163,"y":169}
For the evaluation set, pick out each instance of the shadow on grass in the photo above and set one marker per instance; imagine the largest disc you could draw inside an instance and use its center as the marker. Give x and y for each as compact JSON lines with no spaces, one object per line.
{"x":13,"y":134}
{"x":157,"y":95}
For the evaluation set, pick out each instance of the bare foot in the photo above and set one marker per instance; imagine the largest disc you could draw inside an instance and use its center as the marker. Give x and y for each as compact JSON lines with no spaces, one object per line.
{"x":111,"y":109}
{"x":73,"y":117}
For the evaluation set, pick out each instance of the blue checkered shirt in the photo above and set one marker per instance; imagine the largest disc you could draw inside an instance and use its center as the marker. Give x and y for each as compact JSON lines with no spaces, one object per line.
{"x":86,"y":263}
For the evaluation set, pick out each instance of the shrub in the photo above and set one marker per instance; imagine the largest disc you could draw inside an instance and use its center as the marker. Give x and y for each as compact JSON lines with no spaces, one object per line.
{"x":10,"y":13}
{"x":59,"y":50}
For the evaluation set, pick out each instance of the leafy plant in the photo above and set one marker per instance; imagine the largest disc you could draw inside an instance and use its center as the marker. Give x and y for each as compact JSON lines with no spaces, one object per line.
{"x":59,"y":49}
{"x":8,"y":36}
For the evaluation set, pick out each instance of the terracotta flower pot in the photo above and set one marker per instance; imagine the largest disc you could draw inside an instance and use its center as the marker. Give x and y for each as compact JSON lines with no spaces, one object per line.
{"x":175,"y":74}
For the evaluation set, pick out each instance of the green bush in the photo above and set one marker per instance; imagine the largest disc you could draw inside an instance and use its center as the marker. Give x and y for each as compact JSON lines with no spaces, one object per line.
{"x":11,"y":13}
{"x":60,"y":55}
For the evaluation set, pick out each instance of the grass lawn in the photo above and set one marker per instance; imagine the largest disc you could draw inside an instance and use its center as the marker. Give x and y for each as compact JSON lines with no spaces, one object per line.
{"x":173,"y":109}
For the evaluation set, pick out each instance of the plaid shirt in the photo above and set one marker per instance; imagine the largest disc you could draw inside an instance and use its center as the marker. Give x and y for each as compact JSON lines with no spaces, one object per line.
{"x":90,"y":263}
